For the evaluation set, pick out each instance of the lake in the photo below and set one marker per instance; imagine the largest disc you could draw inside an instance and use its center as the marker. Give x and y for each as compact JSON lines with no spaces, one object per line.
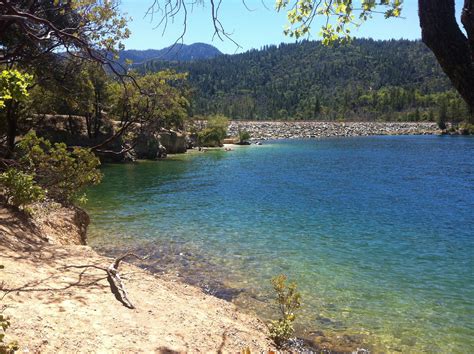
{"x":378,"y":232}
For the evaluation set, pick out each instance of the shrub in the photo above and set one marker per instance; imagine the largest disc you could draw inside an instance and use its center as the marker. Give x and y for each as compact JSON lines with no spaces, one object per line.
{"x":63,"y":172}
{"x":466,"y":129}
{"x":215,"y":131}
{"x":244,"y":136}
{"x":6,"y":348}
{"x":209,"y":137}
{"x":19,"y":188}
{"x":441,"y":125}
{"x":288,"y":301}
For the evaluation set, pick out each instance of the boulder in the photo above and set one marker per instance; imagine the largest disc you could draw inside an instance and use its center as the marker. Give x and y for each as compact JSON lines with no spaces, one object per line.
{"x":174,"y":142}
{"x":147,"y":146}
{"x":72,"y":130}
{"x":152,"y":146}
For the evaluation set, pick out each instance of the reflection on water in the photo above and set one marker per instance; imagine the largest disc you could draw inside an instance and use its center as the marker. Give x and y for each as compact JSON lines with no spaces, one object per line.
{"x":376,"y":231}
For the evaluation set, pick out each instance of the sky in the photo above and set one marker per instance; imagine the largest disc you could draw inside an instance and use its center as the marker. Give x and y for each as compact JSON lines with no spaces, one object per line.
{"x":250,"y":29}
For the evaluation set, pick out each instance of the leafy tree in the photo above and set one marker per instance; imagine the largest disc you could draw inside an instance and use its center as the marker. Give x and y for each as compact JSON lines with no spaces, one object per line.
{"x":214,"y":132}
{"x":442,"y":115}
{"x":76,"y":88}
{"x":19,"y":188}
{"x":41,"y":37}
{"x":159,"y":101}
{"x":30,"y":30}
{"x":453,"y":48}
{"x":13,"y":91}
{"x":366,"y":80}
{"x":63,"y":173}
{"x":244,"y":136}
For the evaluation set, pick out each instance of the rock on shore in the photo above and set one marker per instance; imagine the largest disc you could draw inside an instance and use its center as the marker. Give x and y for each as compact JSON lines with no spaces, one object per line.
{"x":59,"y":299}
{"x":262,"y":130}
{"x":72,"y":130}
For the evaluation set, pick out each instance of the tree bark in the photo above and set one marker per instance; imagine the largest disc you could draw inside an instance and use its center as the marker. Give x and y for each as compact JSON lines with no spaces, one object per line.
{"x":453,"y":50}
{"x":11,"y":126}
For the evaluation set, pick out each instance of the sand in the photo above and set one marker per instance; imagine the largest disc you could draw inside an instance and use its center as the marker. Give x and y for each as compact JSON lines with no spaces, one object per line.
{"x":59,"y":299}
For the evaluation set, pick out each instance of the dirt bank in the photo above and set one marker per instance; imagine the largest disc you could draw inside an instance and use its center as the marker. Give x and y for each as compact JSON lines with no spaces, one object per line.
{"x":59,"y":299}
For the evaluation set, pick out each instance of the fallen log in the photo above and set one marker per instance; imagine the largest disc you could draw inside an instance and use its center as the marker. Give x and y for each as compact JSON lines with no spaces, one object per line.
{"x":115,"y":281}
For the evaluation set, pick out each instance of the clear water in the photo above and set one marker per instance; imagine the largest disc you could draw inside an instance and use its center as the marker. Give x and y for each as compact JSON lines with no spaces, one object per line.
{"x":377,"y":231}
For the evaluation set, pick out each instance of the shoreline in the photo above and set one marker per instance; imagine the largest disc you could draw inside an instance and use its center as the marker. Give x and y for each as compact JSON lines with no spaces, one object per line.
{"x":54,"y":285}
{"x":192,"y":268}
{"x":270,"y":130}
{"x":55,"y":291}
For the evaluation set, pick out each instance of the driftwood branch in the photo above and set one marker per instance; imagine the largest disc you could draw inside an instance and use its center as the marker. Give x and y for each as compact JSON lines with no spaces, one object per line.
{"x":115,"y":281}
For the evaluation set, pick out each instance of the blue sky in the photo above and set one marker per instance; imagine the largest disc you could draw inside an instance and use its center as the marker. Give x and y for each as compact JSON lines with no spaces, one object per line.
{"x":251,"y":29}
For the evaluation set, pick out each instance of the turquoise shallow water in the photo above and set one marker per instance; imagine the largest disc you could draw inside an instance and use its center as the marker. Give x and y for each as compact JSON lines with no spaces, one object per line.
{"x":377,"y":231}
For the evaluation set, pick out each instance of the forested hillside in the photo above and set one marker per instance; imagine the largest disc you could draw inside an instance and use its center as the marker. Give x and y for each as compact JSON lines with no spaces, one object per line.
{"x":367,"y":80}
{"x":179,"y":52}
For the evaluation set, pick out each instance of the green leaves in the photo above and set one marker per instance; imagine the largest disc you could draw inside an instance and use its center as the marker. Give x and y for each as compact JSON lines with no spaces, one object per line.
{"x":19,"y":188}
{"x":244,"y":136}
{"x":161,"y":101}
{"x":215,"y":131}
{"x":62,"y":172}
{"x":288,"y":301}
{"x":87,"y":28}
{"x":6,"y":348}
{"x":13,"y":86}
{"x":338,"y":16}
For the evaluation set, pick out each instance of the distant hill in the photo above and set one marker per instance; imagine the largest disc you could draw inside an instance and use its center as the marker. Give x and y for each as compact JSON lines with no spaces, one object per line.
{"x":178,"y":52}
{"x":369,"y":79}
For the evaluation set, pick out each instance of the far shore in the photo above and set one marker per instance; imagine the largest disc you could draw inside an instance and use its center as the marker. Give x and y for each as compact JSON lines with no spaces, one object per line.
{"x":269,"y":130}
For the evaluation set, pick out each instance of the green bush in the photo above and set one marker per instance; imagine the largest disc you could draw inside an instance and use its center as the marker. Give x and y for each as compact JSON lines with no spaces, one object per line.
{"x":288,"y":301}
{"x":466,"y":129}
{"x":215,"y":131}
{"x":209,"y":137}
{"x":6,"y":348}
{"x":63,"y":172}
{"x":244,"y":136}
{"x":441,"y":125}
{"x":19,"y":188}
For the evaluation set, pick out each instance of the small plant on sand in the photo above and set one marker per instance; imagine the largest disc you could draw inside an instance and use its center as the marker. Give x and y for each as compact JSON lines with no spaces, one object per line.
{"x":288,"y":301}
{"x":5,"y":348}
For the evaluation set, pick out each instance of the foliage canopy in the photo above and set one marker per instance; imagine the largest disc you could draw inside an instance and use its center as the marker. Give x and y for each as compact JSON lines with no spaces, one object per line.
{"x":340,"y":16}
{"x":61,"y":172}
{"x":14,"y":86}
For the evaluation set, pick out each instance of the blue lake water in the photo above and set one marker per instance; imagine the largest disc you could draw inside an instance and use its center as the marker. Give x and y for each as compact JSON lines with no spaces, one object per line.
{"x":378,"y":232}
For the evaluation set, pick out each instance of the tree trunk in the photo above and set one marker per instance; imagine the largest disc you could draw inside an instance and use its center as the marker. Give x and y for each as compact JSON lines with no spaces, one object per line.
{"x":88,"y":117}
{"x":453,"y":50}
{"x":11,"y":126}
{"x":97,"y":114}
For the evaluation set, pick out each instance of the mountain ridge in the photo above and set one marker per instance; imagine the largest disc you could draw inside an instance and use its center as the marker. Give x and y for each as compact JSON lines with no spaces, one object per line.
{"x":368,"y":79}
{"x":176,"y":52}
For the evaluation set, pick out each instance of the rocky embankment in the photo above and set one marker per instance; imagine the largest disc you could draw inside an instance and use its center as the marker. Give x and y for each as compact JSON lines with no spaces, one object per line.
{"x":263,"y":130}
{"x":136,"y":144}
{"x":55,"y":290}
